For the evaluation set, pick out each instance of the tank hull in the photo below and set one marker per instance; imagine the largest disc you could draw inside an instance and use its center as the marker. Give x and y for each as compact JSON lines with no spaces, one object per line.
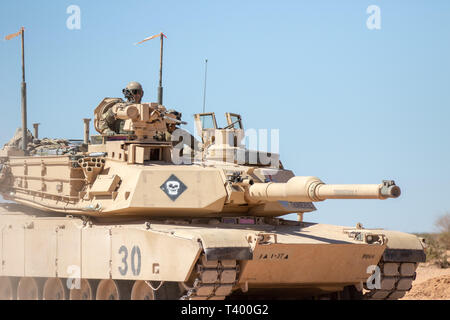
{"x":201,"y":255}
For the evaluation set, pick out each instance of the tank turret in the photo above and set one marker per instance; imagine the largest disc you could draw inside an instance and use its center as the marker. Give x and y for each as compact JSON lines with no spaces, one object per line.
{"x":136,"y":174}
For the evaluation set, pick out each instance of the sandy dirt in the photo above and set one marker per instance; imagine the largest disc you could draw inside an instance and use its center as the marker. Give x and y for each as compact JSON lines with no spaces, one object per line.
{"x":432,"y":283}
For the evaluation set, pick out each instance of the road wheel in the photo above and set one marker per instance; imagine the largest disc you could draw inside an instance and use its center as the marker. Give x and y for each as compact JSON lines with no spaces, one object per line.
{"x":142,"y":291}
{"x":6,"y":289}
{"x":54,"y":290}
{"x":28,"y":289}
{"x":114,"y":290}
{"x":84,"y":293}
{"x":107,"y":290}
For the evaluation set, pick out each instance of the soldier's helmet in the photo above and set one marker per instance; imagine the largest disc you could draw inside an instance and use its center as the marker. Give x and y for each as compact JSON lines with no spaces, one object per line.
{"x":133,"y":92}
{"x":174,"y":114}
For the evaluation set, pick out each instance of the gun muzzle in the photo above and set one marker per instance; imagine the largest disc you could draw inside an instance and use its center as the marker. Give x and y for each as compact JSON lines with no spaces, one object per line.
{"x":308,"y":189}
{"x":174,"y":120}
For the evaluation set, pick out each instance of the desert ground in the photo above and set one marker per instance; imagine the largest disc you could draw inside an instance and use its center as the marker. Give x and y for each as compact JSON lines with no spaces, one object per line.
{"x":432,"y":283}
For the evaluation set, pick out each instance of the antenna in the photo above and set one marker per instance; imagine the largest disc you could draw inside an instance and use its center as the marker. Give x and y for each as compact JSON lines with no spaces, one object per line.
{"x":160,"y":88}
{"x":204,"y":89}
{"x":23,"y":88}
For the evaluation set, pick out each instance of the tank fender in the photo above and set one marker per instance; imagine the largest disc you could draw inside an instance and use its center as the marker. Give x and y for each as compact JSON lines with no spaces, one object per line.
{"x":403,"y":247}
{"x":226,"y":245}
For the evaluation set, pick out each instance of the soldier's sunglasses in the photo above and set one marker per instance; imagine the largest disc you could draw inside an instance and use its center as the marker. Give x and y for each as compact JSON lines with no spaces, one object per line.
{"x":132,"y":91}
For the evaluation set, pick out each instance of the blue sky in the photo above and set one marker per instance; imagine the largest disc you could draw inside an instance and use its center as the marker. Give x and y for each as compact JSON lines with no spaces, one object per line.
{"x":353,"y":105}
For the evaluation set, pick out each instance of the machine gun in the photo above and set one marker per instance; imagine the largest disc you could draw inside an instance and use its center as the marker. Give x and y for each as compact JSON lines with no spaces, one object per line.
{"x":143,"y":120}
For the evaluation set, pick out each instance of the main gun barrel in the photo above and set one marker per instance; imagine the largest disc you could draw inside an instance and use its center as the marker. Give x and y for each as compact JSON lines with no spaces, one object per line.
{"x":308,"y":189}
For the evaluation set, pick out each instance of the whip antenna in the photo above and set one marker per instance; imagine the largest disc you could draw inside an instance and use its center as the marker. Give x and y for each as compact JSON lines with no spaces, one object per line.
{"x":204,"y":89}
{"x":160,"y":88}
{"x":23,"y":88}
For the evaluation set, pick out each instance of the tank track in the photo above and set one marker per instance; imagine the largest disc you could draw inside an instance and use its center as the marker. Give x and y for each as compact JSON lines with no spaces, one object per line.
{"x":215,"y":280}
{"x":396,"y":280}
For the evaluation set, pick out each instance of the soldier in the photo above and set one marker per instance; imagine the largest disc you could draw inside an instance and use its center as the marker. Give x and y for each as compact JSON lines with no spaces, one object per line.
{"x":108,"y":123}
{"x":180,"y":137}
{"x":133,"y":92}
{"x":171,"y":127}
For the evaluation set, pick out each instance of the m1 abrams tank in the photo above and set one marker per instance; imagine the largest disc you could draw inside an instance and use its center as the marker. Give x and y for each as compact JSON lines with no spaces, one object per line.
{"x":152,"y":215}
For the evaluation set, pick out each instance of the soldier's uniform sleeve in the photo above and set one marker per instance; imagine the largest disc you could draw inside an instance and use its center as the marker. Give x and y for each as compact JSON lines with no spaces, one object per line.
{"x":108,"y":123}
